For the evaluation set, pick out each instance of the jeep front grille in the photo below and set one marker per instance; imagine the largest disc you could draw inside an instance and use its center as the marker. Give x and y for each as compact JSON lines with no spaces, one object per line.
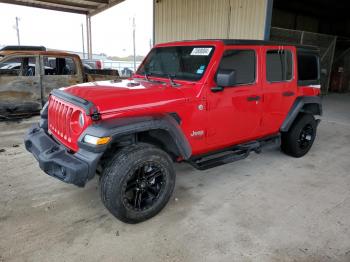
{"x":60,"y":115}
{"x":59,"y":118}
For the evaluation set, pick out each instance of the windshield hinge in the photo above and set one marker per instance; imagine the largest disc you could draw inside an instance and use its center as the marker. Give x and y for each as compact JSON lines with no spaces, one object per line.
{"x":95,"y":116}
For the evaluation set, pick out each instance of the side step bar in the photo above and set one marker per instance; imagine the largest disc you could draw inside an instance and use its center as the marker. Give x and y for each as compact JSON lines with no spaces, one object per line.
{"x":231,"y":154}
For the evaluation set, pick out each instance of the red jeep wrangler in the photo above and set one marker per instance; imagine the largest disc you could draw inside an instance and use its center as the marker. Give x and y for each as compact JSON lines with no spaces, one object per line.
{"x":206,"y":102}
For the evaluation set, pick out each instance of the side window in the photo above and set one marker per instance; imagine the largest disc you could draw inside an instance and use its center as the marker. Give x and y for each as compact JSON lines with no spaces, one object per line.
{"x":279,"y":65}
{"x":243,"y":62}
{"x":19,"y":66}
{"x":308,"y":67}
{"x":59,"y":66}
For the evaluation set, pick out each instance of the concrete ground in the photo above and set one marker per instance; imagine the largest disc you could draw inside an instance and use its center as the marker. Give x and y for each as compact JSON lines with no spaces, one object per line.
{"x":269,"y":207}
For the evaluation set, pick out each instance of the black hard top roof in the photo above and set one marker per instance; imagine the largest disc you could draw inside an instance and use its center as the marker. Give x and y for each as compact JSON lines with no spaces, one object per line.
{"x":262,"y":42}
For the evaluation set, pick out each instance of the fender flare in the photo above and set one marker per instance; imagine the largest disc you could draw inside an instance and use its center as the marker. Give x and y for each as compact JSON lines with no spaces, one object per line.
{"x":117,"y":128}
{"x":303,"y":104}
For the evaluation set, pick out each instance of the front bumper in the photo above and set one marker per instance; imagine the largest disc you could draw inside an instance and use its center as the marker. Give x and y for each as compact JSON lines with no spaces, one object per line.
{"x":55,"y":160}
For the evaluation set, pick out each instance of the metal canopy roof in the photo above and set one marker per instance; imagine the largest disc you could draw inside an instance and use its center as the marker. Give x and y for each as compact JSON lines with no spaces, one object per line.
{"x":86,"y":7}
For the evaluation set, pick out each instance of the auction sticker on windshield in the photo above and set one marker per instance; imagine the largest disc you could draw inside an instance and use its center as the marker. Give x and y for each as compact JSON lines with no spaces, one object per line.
{"x":204,"y":51}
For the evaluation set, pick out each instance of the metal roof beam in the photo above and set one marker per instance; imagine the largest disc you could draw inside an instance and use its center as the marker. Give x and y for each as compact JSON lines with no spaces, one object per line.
{"x":97,"y":1}
{"x":69,"y":4}
{"x":46,"y":6}
{"x":105,"y":7}
{"x":86,"y":7}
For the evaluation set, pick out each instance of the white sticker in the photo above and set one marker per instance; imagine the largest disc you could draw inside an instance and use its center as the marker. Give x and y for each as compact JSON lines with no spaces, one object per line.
{"x":204,"y":51}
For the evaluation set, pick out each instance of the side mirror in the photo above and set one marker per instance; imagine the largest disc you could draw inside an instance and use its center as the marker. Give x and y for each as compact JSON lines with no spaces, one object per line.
{"x":226,"y":77}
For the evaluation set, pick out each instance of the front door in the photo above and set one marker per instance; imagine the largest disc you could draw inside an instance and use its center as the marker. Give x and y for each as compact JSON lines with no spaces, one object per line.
{"x":235,"y":112}
{"x":20,"y":90}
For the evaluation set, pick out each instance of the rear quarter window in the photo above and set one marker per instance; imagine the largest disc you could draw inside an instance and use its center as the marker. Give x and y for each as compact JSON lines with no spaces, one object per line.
{"x":308,"y":68}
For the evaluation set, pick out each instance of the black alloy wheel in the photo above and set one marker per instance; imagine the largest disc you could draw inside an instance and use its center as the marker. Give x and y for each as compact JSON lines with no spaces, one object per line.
{"x":144,"y":186}
{"x":137,"y":182}
{"x":306,"y":136}
{"x":300,"y":137}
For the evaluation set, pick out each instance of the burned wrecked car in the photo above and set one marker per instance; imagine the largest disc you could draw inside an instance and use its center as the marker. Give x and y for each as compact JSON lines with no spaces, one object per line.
{"x":28,"y":76}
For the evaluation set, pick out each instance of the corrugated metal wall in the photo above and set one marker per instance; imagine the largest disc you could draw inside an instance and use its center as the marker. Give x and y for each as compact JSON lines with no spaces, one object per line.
{"x":200,"y":19}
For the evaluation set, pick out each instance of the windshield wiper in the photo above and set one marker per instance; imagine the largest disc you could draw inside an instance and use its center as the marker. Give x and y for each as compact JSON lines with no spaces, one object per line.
{"x":146,"y":75}
{"x":171,"y":79}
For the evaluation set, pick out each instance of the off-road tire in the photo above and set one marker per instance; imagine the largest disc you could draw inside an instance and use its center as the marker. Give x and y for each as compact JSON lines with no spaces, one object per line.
{"x":122,"y":168}
{"x":291,"y":141}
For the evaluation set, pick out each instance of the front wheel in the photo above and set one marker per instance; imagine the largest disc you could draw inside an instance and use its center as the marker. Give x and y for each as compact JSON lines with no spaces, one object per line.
{"x":299,"y":139}
{"x":137,"y":183}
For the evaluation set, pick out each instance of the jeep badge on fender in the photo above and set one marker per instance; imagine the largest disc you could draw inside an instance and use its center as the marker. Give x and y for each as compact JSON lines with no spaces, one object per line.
{"x":205,"y":102}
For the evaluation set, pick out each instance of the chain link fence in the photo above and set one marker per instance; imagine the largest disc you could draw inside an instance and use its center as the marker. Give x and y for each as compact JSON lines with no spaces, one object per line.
{"x":326,"y":44}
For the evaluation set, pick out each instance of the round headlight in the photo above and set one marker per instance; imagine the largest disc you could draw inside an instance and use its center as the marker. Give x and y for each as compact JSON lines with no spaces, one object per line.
{"x":81,"y":120}
{"x":77,"y":121}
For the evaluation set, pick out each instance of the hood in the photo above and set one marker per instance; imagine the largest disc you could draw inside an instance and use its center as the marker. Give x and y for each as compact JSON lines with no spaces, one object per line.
{"x":121,"y":95}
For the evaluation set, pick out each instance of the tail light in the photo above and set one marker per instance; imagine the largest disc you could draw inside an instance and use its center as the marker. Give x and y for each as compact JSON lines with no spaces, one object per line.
{"x":99,"y":64}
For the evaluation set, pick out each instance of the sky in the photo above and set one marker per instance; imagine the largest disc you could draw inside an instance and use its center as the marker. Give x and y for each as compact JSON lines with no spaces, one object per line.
{"x":111,"y":29}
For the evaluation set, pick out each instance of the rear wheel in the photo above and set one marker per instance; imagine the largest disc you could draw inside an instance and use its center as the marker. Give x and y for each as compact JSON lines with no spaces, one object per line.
{"x":300,"y":137}
{"x":137,"y":183}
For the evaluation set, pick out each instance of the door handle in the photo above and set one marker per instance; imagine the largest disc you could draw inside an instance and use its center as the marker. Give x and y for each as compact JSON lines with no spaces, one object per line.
{"x":217,"y":89}
{"x":288,"y":93}
{"x":253,"y":98}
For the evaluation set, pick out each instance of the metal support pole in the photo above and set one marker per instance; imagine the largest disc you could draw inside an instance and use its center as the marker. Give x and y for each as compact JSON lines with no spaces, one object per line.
{"x":89,"y":38}
{"x":17,"y":29}
{"x":90,"y":56}
{"x":302,"y":37}
{"x":82,"y":38}
{"x":134,"y":42}
{"x":154,"y":23}
{"x":331,"y":63}
{"x":268,"y":18}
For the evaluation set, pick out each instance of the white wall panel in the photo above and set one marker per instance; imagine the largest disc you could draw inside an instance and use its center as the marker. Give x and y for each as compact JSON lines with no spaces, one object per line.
{"x":201,"y":19}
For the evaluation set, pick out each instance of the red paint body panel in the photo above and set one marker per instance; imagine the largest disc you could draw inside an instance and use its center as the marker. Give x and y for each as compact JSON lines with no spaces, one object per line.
{"x":226,"y":118}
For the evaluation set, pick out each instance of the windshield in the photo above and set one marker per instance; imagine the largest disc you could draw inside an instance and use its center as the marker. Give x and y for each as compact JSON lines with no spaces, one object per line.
{"x":178,"y":62}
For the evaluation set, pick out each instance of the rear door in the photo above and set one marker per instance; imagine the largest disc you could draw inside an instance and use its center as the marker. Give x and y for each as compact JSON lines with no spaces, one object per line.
{"x":59,"y":71}
{"x":279,"y":86}
{"x":235,"y":112}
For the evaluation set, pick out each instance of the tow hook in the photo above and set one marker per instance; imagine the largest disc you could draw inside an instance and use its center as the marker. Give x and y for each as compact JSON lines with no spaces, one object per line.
{"x":53,"y":149}
{"x":34,"y":130}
